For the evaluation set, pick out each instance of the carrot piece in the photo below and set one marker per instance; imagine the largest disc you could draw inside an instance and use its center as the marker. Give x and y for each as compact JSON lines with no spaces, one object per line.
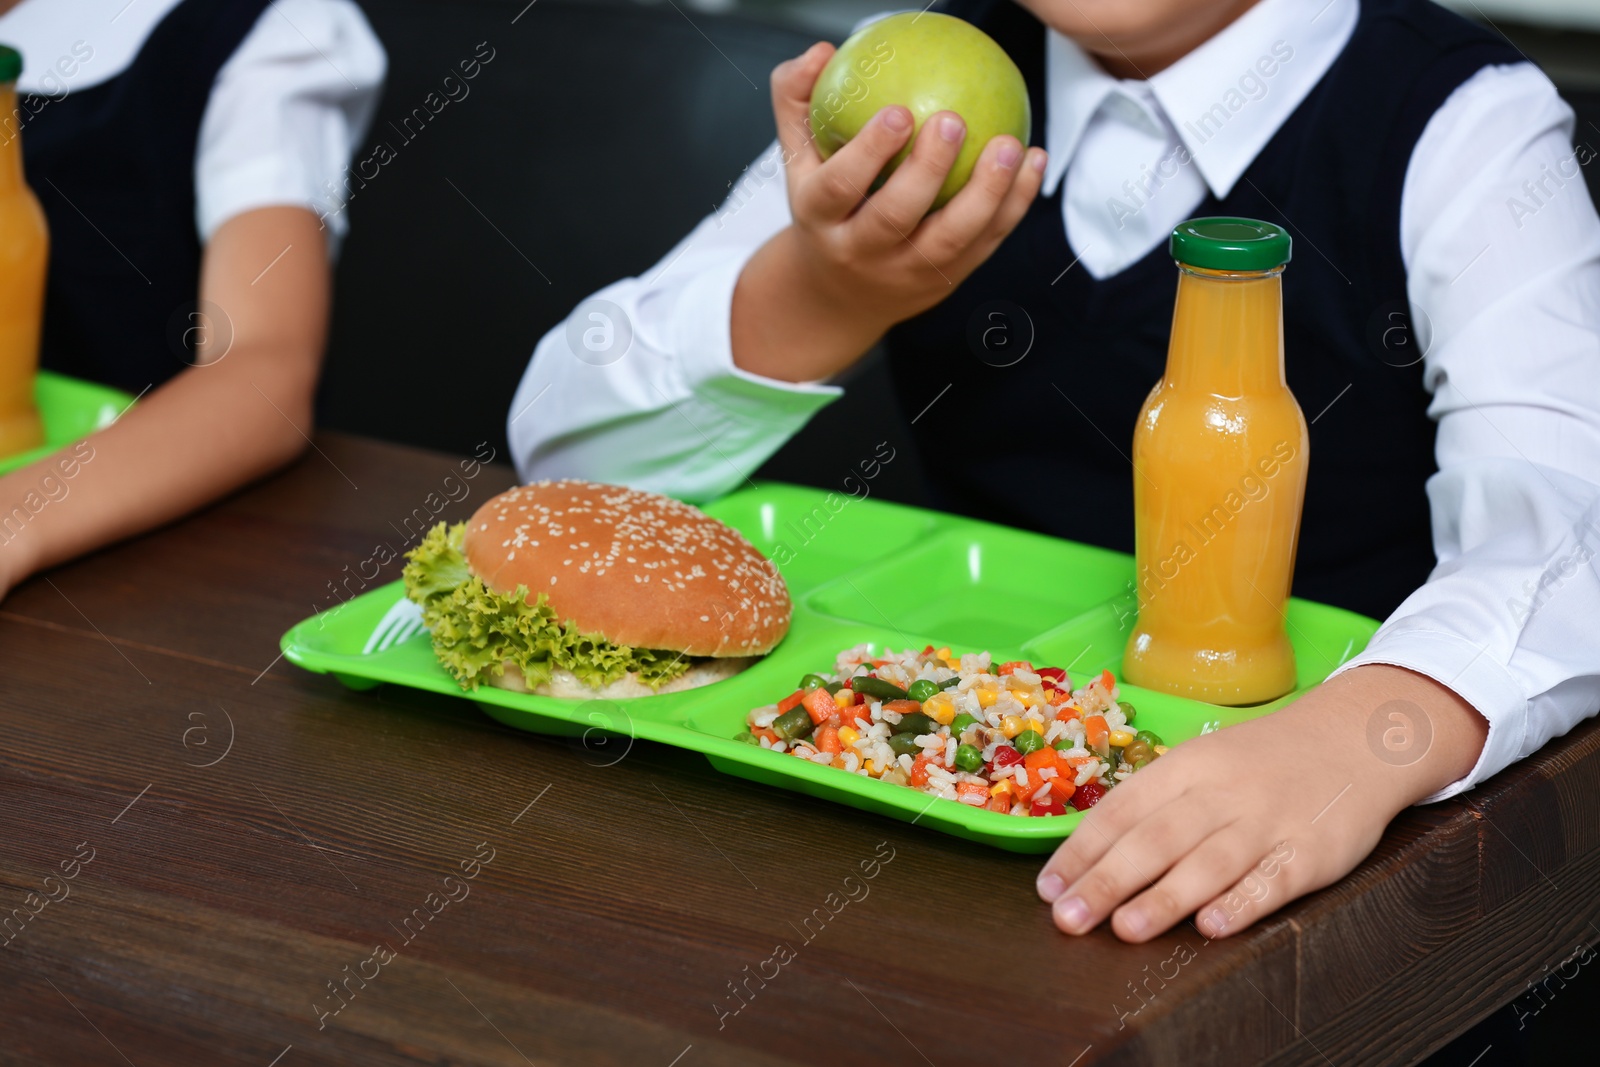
{"x":855,"y":715}
{"x":1015,"y":665}
{"x":1002,"y":804}
{"x":1063,"y":788}
{"x":766,"y":732}
{"x":792,"y":701}
{"x":919,"y":771}
{"x":1068,"y":712}
{"x":904,"y":707}
{"x":1108,"y":681}
{"x":828,"y":739}
{"x":819,"y":704}
{"x":1039,"y":759}
{"x":1097,"y":733}
{"x":972,"y":789}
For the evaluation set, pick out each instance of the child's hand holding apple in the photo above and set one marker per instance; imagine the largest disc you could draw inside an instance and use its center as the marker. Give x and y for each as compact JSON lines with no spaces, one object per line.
{"x":855,"y":261}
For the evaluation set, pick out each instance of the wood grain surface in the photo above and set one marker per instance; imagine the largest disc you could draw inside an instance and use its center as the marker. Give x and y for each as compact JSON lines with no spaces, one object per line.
{"x":270,"y":855}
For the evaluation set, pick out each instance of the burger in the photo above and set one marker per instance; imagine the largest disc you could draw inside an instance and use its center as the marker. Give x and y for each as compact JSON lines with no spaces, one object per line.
{"x":575,"y":589}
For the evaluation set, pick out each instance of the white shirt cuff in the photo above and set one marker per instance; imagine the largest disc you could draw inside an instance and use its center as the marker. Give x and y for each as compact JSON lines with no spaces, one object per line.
{"x":704,"y":347}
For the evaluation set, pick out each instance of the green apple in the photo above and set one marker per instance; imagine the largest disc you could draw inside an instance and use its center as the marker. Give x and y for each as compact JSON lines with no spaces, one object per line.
{"x":927,"y":63}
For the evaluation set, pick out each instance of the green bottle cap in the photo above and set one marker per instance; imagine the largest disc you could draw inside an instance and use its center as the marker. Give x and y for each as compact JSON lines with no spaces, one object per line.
{"x":1229,"y":244}
{"x":10,"y":64}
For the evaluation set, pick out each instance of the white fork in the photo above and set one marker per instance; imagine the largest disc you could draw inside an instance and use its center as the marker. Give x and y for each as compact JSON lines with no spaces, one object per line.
{"x":399,"y":624}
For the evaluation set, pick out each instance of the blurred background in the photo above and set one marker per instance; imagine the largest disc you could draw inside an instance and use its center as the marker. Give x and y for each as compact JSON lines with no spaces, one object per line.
{"x":595,"y":135}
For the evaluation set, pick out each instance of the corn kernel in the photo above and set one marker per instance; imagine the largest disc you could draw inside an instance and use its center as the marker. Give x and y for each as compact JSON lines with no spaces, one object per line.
{"x":987,"y":698}
{"x":940,"y":708}
{"x":944,"y":654}
{"x":872,"y":768}
{"x":1034,"y":725}
{"x":1011,"y":726}
{"x":845,"y":698}
{"x":1121,"y":737}
{"x":1003,"y":788}
{"x":1161,"y":750}
{"x":1028,"y":698}
{"x":848,"y":735}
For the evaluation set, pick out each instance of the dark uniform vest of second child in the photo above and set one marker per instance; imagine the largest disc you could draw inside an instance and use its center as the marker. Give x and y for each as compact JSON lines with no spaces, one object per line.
{"x":113,"y":167}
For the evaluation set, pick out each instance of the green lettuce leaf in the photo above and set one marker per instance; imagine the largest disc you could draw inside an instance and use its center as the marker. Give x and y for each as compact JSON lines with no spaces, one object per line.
{"x":476,"y":630}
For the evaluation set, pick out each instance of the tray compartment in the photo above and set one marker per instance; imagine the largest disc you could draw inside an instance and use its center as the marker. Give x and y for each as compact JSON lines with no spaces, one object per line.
{"x":978,"y":586}
{"x":814,"y":535}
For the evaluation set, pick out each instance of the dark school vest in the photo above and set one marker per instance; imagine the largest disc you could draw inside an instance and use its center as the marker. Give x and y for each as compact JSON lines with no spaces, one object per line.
{"x":113,"y":168}
{"x":1044,"y":442}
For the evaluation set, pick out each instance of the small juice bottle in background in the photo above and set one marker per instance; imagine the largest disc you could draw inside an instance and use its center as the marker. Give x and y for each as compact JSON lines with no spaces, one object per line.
{"x":1220,"y":456}
{"x":24,"y":249}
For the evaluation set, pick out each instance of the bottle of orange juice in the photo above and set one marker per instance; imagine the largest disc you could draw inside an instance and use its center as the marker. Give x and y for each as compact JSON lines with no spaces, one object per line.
{"x":24,"y":248}
{"x":1219,"y":455}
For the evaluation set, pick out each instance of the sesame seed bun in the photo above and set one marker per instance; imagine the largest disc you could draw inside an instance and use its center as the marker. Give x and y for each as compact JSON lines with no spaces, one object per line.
{"x":637,"y":568}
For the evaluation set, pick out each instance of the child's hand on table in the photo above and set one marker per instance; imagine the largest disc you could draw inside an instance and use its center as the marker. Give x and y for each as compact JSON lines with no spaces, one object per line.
{"x":822,"y":291}
{"x":1233,"y":825}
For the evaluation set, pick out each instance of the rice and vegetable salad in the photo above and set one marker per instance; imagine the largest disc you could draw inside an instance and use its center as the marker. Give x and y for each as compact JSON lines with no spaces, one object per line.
{"x":1013,"y":738}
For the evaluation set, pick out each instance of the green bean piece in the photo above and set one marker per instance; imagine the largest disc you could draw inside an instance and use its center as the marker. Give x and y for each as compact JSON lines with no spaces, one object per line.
{"x":904,"y":745}
{"x":877,"y":688}
{"x":793,"y":724}
{"x":914,"y":723}
{"x":746,"y":737}
{"x":950,"y":683}
{"x":813,"y":681}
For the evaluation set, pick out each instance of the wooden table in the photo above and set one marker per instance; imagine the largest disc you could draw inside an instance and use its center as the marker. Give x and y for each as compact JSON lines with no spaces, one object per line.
{"x":254,"y":832}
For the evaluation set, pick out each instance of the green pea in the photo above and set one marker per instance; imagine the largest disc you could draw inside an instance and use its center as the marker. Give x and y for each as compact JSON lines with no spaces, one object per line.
{"x":1064,"y":744}
{"x":1148,"y":738}
{"x":1127,"y":709}
{"x":1028,"y":741}
{"x":904,"y":745}
{"x":968,"y":758}
{"x":1137,"y":752}
{"x":960,"y":723}
{"x":813,"y":681}
{"x":921,"y":689}
{"x":746,"y":737}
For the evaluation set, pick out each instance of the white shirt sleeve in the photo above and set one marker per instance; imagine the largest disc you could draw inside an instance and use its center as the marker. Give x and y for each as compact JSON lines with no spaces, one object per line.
{"x":1502,"y":247}
{"x":286,"y":113}
{"x":638,"y":384}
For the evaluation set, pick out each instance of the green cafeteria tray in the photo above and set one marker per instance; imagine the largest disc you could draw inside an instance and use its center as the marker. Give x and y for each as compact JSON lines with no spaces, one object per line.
{"x":863,"y":572}
{"x":72,"y":410}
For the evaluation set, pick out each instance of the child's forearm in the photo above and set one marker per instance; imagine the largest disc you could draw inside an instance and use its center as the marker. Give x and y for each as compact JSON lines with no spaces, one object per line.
{"x":202,"y":435}
{"x":243,"y":411}
{"x":788,"y":326}
{"x":1422,"y":735}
